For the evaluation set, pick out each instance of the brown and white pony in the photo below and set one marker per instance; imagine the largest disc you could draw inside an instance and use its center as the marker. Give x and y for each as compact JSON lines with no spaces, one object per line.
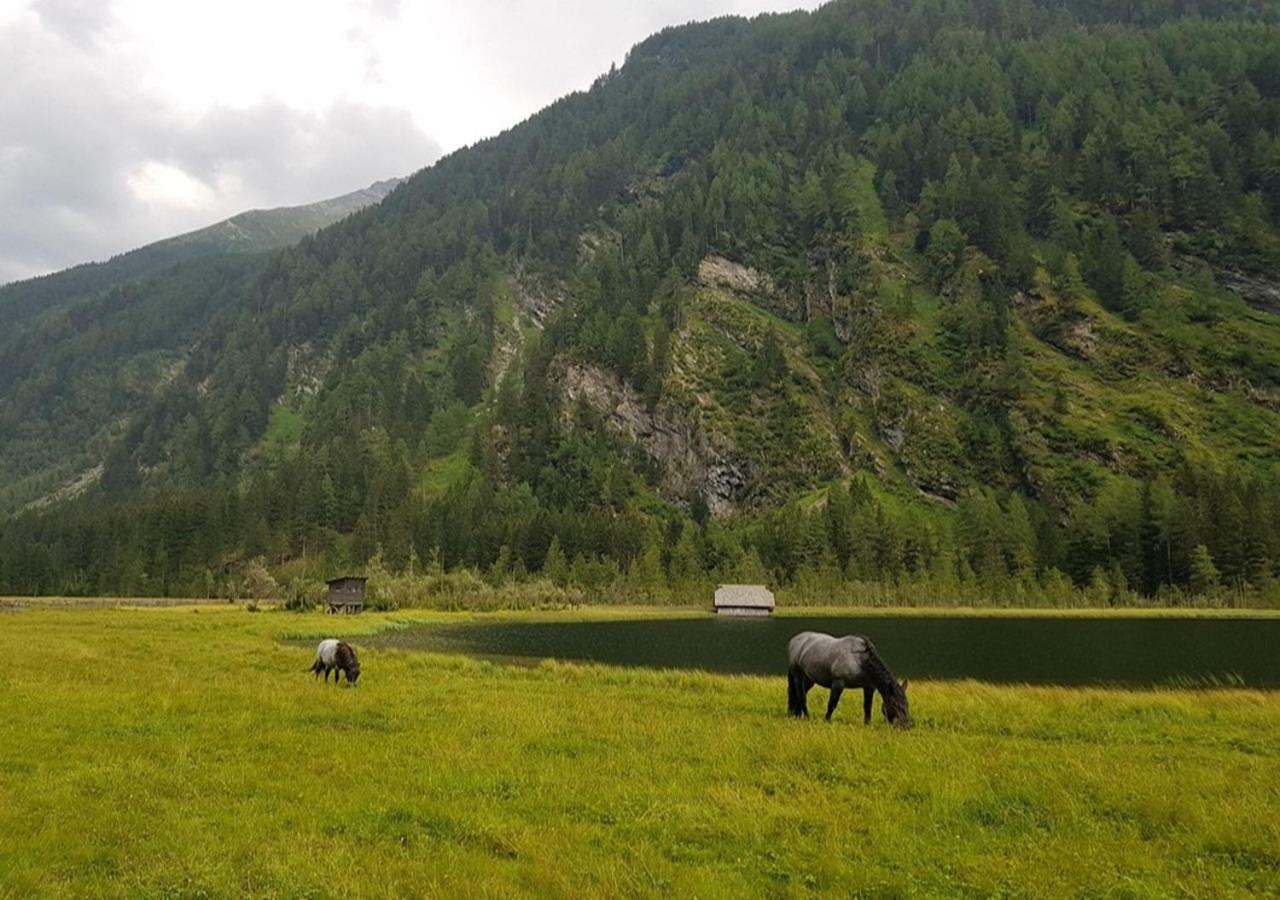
{"x":333,"y":656}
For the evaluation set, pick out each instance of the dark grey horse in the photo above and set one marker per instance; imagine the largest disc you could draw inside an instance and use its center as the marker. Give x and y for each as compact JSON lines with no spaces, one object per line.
{"x":839,"y":663}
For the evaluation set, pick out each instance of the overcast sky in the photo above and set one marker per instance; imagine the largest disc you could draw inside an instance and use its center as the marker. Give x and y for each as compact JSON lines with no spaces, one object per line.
{"x":125,"y":121}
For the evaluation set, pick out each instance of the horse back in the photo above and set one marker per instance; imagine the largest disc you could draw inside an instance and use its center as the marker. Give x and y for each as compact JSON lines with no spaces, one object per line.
{"x":824,"y":658}
{"x":327,"y":652}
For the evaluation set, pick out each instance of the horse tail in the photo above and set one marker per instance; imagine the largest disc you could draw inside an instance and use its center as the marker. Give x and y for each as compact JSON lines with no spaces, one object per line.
{"x":794,"y":696}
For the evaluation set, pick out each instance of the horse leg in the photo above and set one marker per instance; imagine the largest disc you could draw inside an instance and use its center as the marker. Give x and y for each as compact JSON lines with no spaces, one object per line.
{"x":868,"y":694}
{"x":805,"y":684}
{"x":837,"y":688}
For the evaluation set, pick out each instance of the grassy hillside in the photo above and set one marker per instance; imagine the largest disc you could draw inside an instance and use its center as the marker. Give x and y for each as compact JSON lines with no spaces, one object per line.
{"x":207,"y":761}
{"x":268,"y":229}
{"x":868,"y":295}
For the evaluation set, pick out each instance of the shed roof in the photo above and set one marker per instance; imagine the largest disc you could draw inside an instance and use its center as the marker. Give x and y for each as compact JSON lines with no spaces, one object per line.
{"x":359,"y":578}
{"x":750,"y":595}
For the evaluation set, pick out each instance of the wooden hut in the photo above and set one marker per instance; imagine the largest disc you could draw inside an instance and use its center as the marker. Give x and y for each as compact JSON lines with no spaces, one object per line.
{"x":346,"y":594}
{"x":743,"y":600}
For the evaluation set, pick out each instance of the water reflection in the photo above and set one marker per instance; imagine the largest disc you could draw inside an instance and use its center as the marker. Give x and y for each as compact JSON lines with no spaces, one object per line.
{"x":1003,"y":649}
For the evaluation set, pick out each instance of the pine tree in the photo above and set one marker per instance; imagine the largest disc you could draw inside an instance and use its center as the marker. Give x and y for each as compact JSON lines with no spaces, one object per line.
{"x":1105,"y":261}
{"x":645,"y":574}
{"x":555,"y":566}
{"x":839,"y":521}
{"x":1071,"y":282}
{"x":749,"y":569}
{"x":1134,"y":290}
{"x":771,"y":362}
{"x":945,"y":251}
{"x":1204,"y":574}
{"x":685,"y":564}
{"x":500,"y":571}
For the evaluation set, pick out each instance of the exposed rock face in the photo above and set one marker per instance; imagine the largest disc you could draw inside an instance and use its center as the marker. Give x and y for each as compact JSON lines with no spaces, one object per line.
{"x":691,"y":462}
{"x":306,"y":371}
{"x":758,"y":287}
{"x":1081,"y":339}
{"x":1258,"y":291}
{"x":535,"y":300}
{"x":716,"y":271}
{"x":73,"y":488}
{"x":591,"y":242}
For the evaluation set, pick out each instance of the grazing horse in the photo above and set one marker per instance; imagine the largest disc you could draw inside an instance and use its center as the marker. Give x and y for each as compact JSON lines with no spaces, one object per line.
{"x":333,"y":656}
{"x":839,"y":663}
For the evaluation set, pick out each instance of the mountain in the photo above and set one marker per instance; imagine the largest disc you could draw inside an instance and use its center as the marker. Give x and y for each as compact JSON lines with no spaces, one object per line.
{"x":254,"y":231}
{"x":84,"y":349}
{"x":953,"y":299}
{"x":267,"y":229}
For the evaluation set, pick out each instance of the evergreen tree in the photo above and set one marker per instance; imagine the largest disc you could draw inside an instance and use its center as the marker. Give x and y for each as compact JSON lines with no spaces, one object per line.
{"x":771,"y":361}
{"x":1204,"y":574}
{"x":555,"y":566}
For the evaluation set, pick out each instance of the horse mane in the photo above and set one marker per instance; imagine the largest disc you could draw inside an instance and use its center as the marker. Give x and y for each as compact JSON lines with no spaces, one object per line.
{"x":346,"y":657}
{"x":880,"y":677}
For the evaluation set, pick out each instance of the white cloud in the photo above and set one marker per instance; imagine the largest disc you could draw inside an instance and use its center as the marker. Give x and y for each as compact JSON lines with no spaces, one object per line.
{"x":123,"y":122}
{"x":95,"y":160}
{"x":161,"y":184}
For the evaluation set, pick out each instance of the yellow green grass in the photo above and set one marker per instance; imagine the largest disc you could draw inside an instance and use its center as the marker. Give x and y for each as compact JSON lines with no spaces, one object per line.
{"x":179,"y":752}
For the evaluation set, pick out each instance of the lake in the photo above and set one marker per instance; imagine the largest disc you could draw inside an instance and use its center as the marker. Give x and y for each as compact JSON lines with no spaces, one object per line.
{"x":1002,"y":649}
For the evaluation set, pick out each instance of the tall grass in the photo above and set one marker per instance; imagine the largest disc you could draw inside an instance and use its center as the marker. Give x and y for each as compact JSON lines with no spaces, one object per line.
{"x":188,"y":753}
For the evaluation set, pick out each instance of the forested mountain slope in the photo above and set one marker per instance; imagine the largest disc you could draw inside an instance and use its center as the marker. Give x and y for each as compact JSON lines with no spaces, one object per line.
{"x":928,"y":293}
{"x":83,"y":349}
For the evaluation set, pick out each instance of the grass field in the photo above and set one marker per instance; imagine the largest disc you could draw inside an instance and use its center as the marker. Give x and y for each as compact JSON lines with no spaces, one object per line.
{"x":187,"y":752}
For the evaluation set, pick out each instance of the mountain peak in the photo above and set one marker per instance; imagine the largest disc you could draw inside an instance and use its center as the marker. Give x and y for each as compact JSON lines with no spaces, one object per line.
{"x":252,"y":231}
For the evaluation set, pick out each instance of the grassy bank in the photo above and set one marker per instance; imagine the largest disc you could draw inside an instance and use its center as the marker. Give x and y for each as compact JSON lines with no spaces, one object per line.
{"x":187,"y":751}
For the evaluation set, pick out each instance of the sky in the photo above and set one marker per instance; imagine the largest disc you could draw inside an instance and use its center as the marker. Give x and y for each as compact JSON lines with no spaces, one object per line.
{"x":125,"y":121}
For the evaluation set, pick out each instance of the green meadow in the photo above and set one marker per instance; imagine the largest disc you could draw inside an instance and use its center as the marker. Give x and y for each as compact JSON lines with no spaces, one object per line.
{"x":187,"y":752}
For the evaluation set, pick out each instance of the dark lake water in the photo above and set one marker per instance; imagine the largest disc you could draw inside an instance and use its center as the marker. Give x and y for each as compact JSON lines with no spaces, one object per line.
{"x":1031,"y":649}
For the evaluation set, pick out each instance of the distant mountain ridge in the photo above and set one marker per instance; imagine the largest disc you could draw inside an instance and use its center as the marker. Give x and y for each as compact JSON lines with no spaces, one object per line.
{"x":267,"y":229}
{"x":253,"y":231}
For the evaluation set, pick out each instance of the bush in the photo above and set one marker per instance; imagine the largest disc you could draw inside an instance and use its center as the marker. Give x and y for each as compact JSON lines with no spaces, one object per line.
{"x":460,"y":589}
{"x":302,"y":594}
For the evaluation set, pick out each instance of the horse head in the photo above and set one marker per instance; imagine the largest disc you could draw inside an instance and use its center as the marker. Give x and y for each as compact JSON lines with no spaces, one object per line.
{"x":897,"y":711}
